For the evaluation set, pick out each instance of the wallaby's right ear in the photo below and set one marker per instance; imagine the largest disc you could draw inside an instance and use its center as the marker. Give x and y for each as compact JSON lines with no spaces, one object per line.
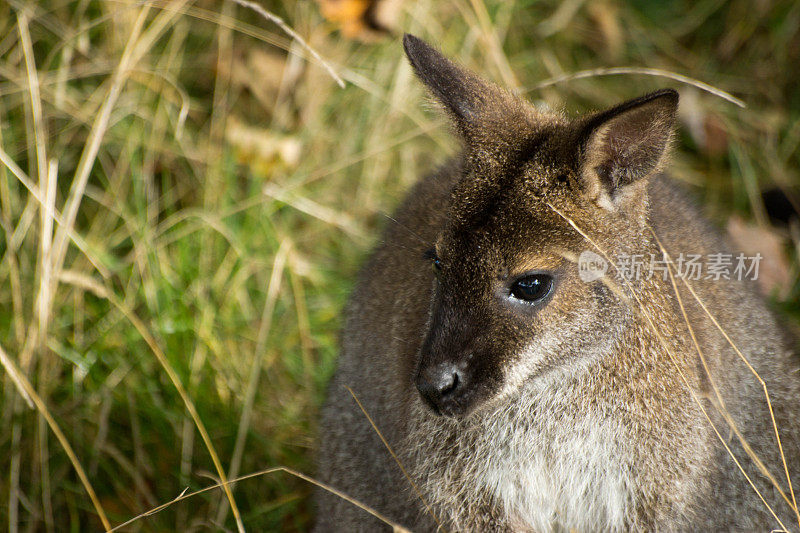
{"x":464,"y":95}
{"x":620,"y":147}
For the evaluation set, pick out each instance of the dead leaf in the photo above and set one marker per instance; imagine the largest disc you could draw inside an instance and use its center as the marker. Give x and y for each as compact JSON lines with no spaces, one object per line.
{"x":262,"y":149}
{"x":774,"y":270}
{"x":365,"y":20}
{"x":606,"y":16}
{"x":716,"y":136}
{"x":707,"y":129}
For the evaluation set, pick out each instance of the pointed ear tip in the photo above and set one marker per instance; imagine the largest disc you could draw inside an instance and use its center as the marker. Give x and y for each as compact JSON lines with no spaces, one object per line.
{"x":412,"y":44}
{"x":670,"y":95}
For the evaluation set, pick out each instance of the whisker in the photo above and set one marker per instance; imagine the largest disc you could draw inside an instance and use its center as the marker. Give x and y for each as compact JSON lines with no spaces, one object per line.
{"x":406,"y":228}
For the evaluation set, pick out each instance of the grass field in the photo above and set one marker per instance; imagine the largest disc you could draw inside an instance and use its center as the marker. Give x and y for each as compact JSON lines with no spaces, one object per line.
{"x":186,"y":193}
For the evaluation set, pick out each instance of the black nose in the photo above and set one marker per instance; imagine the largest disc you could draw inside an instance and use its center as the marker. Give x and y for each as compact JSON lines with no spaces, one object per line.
{"x":441,"y":385}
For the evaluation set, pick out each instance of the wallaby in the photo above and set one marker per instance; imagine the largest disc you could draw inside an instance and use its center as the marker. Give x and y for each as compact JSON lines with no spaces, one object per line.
{"x":520,"y":395}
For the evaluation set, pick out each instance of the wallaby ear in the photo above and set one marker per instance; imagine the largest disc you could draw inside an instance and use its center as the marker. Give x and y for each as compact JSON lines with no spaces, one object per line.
{"x":463,"y":94}
{"x":623,"y":145}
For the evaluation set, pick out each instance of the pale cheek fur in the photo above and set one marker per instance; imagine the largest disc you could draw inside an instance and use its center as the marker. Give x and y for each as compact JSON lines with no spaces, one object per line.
{"x":550,"y":346}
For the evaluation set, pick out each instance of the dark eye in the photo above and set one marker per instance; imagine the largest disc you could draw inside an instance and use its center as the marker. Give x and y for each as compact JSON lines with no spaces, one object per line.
{"x":436,"y":263}
{"x":533,"y":288}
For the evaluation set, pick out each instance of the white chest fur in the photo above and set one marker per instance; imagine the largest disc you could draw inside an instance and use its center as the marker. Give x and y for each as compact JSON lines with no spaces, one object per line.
{"x":576,"y":481}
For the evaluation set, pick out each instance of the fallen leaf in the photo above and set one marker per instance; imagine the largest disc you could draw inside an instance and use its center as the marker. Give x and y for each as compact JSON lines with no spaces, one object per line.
{"x":716,"y":135}
{"x":606,"y":16}
{"x":774,"y":270}
{"x":366,"y":20}
{"x":262,"y":149}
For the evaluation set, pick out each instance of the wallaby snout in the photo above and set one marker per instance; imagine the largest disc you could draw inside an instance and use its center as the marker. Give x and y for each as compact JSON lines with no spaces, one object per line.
{"x":455,"y":374}
{"x":444,"y":387}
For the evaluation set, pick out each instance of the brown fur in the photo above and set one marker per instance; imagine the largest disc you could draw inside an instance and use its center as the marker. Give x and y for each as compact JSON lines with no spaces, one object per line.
{"x":585,"y":410}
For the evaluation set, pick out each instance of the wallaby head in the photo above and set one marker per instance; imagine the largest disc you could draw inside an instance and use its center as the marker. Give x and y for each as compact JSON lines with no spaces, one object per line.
{"x":508,"y":303}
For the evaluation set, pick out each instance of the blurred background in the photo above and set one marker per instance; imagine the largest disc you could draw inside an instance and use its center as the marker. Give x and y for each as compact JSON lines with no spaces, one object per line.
{"x":186,"y":193}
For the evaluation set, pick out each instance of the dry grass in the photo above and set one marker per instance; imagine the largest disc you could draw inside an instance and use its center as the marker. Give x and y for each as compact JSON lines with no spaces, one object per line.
{"x":186,"y":193}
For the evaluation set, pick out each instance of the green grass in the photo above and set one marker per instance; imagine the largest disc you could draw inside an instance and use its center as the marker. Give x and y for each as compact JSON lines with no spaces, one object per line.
{"x":174,"y":240}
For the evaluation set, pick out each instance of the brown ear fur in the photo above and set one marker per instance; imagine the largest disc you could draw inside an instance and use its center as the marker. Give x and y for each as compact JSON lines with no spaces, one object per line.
{"x":480,"y":109}
{"x":624,"y":145}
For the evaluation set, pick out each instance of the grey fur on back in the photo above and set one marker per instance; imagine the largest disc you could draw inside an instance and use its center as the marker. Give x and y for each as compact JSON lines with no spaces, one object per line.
{"x":617,"y":439}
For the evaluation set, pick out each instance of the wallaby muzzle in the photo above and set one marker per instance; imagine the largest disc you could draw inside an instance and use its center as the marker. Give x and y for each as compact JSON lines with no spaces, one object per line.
{"x":453,"y":375}
{"x":445,"y":388}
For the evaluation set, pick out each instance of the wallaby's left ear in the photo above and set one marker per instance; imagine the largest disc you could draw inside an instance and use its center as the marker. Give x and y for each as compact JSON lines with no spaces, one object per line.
{"x":469,"y":99}
{"x":623,"y":145}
